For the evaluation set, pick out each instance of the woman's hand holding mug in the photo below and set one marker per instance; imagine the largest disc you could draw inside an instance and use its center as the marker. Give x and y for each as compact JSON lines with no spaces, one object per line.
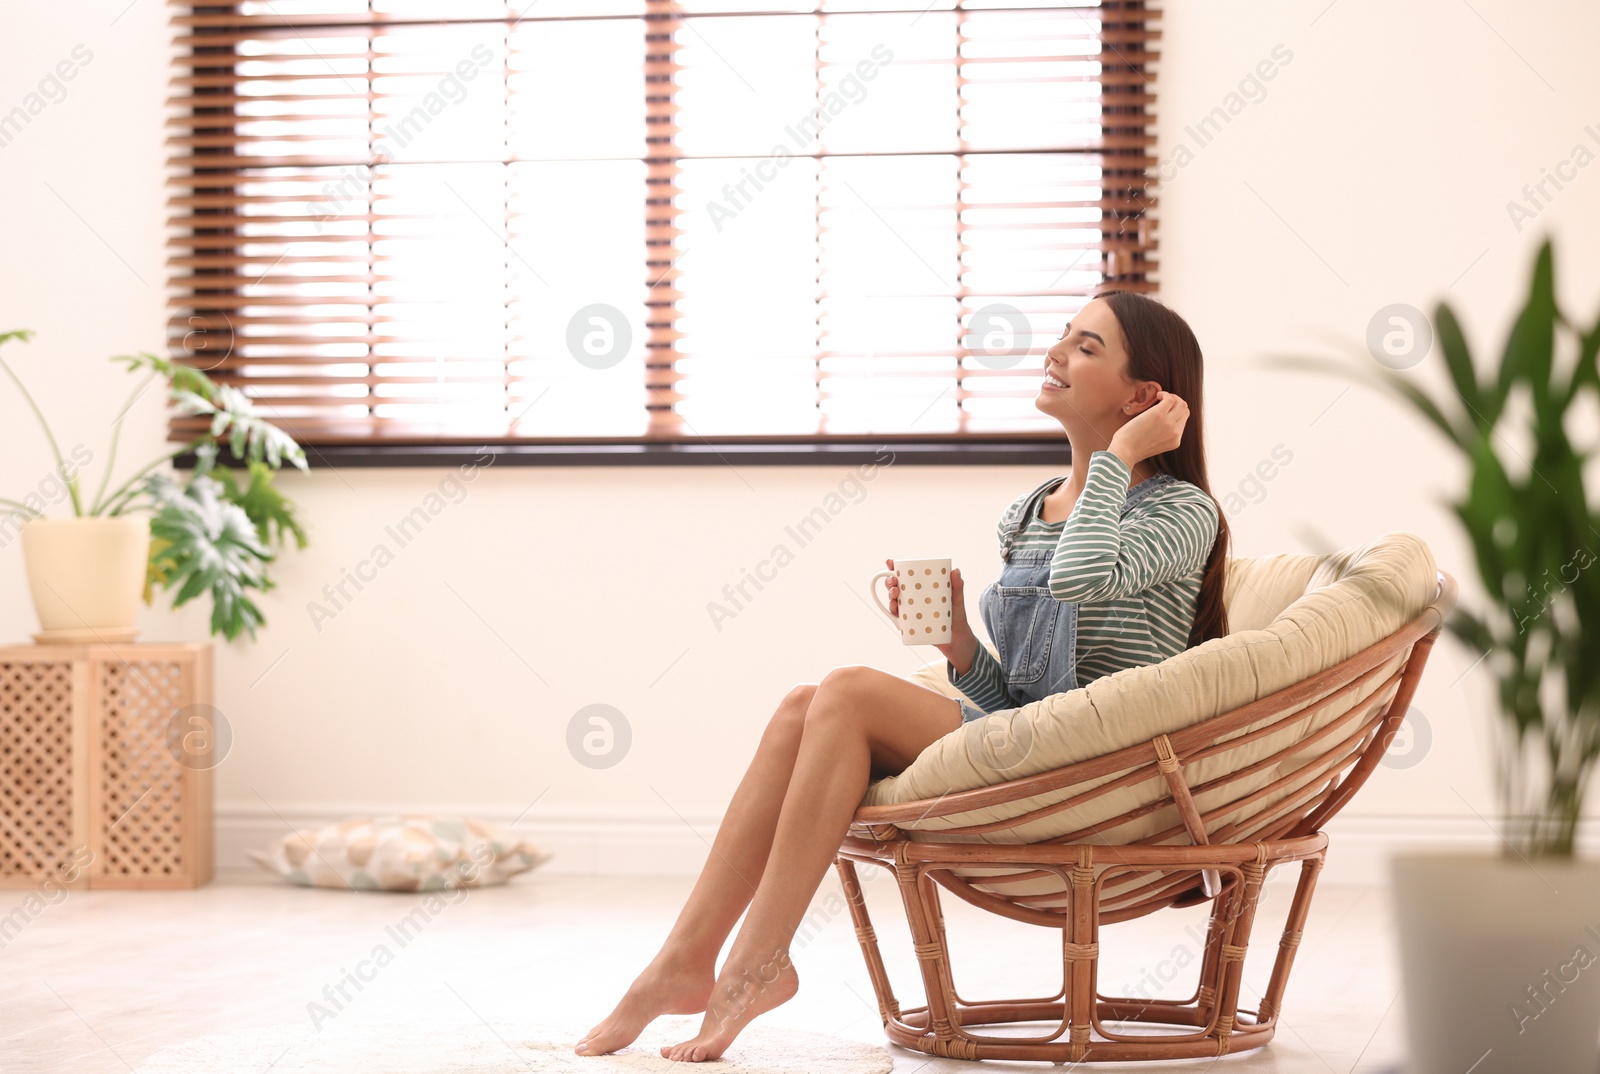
{"x":963,"y":644}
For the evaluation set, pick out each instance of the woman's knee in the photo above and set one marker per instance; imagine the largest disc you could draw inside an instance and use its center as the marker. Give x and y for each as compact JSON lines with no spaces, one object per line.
{"x":845,"y":681}
{"x":839,"y":684}
{"x":791,"y":712}
{"x":845,"y":678}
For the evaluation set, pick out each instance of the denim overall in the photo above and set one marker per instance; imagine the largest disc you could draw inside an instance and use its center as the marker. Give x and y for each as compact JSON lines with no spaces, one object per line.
{"x":1035,"y":634}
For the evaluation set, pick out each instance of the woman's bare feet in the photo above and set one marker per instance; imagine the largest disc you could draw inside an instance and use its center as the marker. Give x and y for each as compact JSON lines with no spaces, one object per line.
{"x":657,"y":991}
{"x":742,"y":992}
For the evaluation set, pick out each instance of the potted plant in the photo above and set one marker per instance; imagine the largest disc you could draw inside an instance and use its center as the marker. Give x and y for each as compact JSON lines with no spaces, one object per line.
{"x":1500,"y":953}
{"x":208,"y":534}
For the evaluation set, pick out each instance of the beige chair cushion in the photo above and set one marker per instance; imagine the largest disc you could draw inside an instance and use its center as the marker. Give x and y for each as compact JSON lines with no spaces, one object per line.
{"x":1290,"y":617}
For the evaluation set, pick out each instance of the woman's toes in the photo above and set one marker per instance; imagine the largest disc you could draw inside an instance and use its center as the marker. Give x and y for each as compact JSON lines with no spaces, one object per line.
{"x":648,"y":998}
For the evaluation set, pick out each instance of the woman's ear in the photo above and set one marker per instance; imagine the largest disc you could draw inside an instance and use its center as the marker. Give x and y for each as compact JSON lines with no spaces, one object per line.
{"x":1148,"y":396}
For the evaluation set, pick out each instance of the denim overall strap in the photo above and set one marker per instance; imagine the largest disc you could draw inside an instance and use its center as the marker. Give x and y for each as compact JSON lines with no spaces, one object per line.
{"x":1029,"y":506}
{"x":1159,"y":480}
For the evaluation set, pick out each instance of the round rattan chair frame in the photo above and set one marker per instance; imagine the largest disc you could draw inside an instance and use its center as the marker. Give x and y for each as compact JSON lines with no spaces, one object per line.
{"x":1228,"y":867}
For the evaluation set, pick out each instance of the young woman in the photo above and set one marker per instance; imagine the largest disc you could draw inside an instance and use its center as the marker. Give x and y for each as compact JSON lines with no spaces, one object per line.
{"x":1118,"y":564}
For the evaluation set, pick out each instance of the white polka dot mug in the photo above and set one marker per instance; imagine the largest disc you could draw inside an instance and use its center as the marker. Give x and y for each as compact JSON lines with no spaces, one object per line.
{"x":925,"y":606}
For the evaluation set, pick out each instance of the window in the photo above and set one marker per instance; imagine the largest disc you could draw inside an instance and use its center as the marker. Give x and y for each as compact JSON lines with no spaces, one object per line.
{"x":607,"y":225}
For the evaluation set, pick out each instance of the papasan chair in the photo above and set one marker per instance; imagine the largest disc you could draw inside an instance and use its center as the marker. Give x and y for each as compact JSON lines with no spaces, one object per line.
{"x":1165,"y":785}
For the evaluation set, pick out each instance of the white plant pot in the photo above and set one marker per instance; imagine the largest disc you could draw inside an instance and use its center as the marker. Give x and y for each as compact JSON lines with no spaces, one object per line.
{"x":86,"y":576}
{"x":1500,"y":962}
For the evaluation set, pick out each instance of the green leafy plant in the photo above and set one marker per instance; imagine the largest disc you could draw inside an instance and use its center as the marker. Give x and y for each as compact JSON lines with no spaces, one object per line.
{"x":210,"y":533}
{"x":1534,"y":538}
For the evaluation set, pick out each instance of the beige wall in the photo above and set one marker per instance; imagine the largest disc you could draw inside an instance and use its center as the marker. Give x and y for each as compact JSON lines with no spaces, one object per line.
{"x":1376,"y":169}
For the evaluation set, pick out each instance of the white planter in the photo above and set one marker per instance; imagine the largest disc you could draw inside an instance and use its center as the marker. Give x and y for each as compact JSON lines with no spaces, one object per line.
{"x":86,"y":576}
{"x":1500,"y":960}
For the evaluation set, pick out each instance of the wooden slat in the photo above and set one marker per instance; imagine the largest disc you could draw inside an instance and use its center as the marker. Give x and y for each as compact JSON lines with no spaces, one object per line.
{"x":190,"y":101}
{"x":276,"y":25}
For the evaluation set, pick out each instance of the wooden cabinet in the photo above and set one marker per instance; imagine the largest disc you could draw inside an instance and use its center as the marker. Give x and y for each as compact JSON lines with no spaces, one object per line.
{"x":106,"y":759}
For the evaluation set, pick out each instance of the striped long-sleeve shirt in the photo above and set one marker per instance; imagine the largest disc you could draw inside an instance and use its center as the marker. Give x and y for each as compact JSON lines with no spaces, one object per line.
{"x":1135,"y":578}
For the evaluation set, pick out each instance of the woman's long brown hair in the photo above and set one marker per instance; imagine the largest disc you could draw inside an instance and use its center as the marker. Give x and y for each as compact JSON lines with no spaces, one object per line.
{"x":1162,"y":347}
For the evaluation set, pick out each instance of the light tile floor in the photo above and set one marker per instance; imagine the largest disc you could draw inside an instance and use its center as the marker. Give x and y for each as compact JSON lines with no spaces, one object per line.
{"x":99,"y":980}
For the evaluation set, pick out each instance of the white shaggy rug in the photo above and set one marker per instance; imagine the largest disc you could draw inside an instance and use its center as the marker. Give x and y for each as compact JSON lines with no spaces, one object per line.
{"x":508,"y":1048}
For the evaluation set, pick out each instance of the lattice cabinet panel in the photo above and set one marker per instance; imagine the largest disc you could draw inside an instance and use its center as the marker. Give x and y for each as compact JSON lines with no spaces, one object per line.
{"x":105,"y":781}
{"x":42,"y":808}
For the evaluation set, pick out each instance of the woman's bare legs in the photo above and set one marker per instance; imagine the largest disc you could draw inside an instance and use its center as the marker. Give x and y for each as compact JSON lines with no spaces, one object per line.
{"x":679,"y":979}
{"x":859,"y":720}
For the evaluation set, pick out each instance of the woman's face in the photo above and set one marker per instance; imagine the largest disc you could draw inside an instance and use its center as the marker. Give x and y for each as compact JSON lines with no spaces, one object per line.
{"x":1091,"y":358}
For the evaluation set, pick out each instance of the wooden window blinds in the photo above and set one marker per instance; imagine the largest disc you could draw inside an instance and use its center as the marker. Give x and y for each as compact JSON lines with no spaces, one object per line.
{"x":620,"y":221}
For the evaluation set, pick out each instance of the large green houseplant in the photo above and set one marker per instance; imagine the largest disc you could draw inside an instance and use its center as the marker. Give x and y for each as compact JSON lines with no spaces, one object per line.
{"x":208,"y":534}
{"x":1480,"y":936}
{"x":1534,"y":535}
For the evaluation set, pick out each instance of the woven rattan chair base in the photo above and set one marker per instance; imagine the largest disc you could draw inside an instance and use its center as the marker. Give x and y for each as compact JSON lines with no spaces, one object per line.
{"x":1088,"y":1025}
